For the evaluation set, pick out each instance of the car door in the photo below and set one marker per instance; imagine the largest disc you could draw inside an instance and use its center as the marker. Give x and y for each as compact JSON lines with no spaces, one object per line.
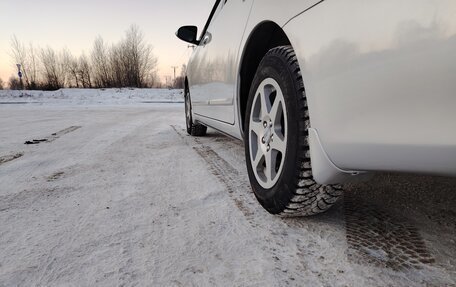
{"x":212,"y":70}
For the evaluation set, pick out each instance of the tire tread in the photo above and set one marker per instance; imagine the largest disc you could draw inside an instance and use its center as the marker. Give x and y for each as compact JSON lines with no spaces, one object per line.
{"x":308,"y":197}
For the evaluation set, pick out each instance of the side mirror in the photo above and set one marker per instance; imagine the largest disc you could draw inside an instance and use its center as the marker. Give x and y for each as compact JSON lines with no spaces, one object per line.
{"x":188,"y":34}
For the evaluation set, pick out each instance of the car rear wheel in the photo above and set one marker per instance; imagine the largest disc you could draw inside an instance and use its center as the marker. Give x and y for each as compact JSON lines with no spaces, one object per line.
{"x":192,"y":128}
{"x":276,"y":140}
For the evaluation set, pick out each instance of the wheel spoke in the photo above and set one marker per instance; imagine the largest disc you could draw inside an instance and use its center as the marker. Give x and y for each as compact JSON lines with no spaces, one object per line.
{"x":276,"y":110}
{"x":258,"y":158}
{"x":274,"y":158}
{"x":279,"y":144}
{"x":268,"y":166}
{"x":264,"y":104}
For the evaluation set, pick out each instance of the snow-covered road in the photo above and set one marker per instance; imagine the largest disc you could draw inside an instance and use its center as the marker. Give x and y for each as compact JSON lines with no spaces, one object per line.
{"x":119,"y":195}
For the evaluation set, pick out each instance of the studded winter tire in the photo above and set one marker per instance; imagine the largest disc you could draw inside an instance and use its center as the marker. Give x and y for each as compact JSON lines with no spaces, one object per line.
{"x":276,"y":140}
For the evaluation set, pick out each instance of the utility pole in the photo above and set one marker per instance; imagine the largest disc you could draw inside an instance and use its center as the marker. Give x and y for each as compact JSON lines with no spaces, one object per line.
{"x":174,"y":68}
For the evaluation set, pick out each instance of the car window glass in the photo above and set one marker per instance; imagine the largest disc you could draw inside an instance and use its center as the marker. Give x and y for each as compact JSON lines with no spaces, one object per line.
{"x":219,"y":9}
{"x":214,"y":14}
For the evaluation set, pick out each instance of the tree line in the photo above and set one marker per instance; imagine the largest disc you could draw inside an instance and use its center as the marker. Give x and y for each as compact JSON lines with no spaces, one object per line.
{"x":127,"y":63}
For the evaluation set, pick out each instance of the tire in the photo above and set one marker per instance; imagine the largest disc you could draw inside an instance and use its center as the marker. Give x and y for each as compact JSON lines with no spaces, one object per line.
{"x":276,"y":140}
{"x":193,"y":129}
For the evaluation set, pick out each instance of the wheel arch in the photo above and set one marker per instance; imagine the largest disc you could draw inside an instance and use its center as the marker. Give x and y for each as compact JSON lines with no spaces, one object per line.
{"x":265,"y":36}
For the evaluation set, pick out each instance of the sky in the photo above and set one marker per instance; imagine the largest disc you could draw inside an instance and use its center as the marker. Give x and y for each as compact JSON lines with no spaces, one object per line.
{"x":75,"y":25}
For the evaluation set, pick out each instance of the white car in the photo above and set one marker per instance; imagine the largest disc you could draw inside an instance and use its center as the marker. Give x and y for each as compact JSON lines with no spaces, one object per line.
{"x":326,"y":92}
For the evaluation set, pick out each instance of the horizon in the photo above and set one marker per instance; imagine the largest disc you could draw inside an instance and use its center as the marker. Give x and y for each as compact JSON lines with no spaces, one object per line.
{"x":70,"y":25}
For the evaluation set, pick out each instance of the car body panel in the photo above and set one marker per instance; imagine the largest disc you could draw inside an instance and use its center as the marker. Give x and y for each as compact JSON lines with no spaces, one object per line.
{"x":382,"y":95}
{"x":380,"y":78}
{"x":212,"y":70}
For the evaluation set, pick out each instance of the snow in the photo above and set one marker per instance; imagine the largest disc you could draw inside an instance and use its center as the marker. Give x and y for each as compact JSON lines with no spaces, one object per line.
{"x":120,"y":195}
{"x":124,"y":96}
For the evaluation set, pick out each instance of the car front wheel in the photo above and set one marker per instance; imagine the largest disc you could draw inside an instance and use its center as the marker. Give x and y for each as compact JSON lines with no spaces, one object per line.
{"x":276,"y":140}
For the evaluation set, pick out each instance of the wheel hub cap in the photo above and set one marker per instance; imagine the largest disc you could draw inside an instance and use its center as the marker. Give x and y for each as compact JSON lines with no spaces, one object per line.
{"x":267,"y":135}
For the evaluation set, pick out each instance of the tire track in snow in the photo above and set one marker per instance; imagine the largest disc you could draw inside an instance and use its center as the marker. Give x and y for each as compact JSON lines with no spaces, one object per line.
{"x":10,"y":157}
{"x":378,"y":238}
{"x":220,"y":168}
{"x":297,"y":233}
{"x":53,"y":136}
{"x":286,"y":248}
{"x":375,"y":237}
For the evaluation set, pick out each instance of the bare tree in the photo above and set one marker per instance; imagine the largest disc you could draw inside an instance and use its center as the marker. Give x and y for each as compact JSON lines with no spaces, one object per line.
{"x":128,"y":63}
{"x":32,"y":68}
{"x":19,"y":54}
{"x":71,"y":67}
{"x":116,"y":63}
{"x":53,"y":69}
{"x":1,"y":84}
{"x":138,"y":60}
{"x":84,"y":71}
{"x":26,"y":57}
{"x":100,"y":64}
{"x":14,"y":83}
